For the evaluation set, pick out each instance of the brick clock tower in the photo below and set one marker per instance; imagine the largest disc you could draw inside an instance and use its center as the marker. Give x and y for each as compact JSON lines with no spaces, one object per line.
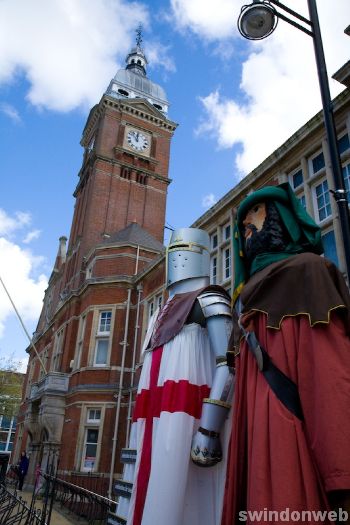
{"x":78,"y":393}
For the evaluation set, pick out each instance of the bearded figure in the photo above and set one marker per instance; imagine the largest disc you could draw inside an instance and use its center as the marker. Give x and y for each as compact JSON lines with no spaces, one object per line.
{"x":290,"y":350}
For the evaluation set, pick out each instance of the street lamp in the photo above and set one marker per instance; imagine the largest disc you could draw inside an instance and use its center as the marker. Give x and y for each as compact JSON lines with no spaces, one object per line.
{"x":257,"y":21}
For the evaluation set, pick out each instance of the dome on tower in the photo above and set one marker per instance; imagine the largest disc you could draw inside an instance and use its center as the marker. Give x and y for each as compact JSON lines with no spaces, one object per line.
{"x":132,"y":82}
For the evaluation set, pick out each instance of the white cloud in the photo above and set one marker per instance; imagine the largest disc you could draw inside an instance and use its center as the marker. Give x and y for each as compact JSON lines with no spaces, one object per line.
{"x":68,"y":50}
{"x":279,"y":85}
{"x":8,"y":224}
{"x":158,"y":55}
{"x":20,"y":271}
{"x":10,"y":112}
{"x":34,"y":234}
{"x":209,"y":200}
{"x":210,"y":20}
{"x":27,"y":292}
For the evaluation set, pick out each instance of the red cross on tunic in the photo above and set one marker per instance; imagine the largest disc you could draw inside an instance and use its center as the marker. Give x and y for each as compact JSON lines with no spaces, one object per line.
{"x":173,"y":396}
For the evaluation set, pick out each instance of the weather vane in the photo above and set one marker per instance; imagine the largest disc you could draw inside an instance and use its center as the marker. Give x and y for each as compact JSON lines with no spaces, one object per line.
{"x":139,"y":35}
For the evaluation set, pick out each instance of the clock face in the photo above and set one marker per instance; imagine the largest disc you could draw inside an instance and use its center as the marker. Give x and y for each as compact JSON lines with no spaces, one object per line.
{"x":137,"y":140}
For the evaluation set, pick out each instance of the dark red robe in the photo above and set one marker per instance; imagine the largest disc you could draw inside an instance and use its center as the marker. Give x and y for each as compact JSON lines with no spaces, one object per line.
{"x":276,"y":462}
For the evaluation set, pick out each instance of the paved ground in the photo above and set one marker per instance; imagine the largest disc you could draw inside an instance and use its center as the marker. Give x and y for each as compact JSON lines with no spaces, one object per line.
{"x":57,"y":518}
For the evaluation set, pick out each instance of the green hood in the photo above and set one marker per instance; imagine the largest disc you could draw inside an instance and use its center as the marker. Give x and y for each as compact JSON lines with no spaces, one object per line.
{"x":304,"y":234}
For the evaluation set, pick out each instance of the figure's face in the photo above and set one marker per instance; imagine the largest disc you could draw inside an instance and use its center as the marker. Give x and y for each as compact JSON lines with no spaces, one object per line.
{"x":254,"y":220}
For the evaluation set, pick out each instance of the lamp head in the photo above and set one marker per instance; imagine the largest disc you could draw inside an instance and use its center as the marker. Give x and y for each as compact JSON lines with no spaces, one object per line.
{"x":257,"y":20}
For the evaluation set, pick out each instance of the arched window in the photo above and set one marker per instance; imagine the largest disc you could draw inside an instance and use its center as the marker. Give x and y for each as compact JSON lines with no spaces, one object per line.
{"x":141,"y":178}
{"x":125,"y":173}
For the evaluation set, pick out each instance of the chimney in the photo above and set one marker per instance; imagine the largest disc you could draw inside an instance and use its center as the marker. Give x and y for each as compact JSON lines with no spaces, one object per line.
{"x":62,"y":251}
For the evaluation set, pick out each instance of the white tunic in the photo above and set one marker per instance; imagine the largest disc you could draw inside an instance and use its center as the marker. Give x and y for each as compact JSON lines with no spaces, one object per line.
{"x":168,"y":488}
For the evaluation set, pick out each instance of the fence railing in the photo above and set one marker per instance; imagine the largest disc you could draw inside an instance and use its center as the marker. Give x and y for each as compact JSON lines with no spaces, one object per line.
{"x":84,"y":503}
{"x":15,"y":511}
{"x":91,"y":481}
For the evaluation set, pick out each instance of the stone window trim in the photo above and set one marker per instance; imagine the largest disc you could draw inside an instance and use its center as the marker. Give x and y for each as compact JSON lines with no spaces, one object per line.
{"x":214,"y":241}
{"x":226,"y":231}
{"x":44,"y":354}
{"x":57,"y":349}
{"x":344,"y":144}
{"x":214,"y":270}
{"x":296,"y":178}
{"x":226,"y":263}
{"x":153,"y":303}
{"x":321,"y":201}
{"x":93,"y":415}
{"x":317,"y":164}
{"x":346,"y":175}
{"x":87,"y":425}
{"x":104,"y":322}
{"x":330,"y":245}
{"x":80,"y":342}
{"x":101,"y":335}
{"x":102,"y":351}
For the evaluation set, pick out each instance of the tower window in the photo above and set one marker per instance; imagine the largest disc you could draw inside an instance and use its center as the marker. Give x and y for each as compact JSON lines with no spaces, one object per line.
{"x":141,"y":178}
{"x":125,"y":173}
{"x":123,"y":92}
{"x":158,"y":106}
{"x":139,"y":62}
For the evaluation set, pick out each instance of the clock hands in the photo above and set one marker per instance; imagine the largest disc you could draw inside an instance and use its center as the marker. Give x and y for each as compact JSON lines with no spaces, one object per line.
{"x":137,"y":140}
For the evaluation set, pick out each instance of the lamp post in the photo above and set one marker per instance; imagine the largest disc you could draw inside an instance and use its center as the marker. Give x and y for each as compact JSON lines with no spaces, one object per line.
{"x":257,"y":21}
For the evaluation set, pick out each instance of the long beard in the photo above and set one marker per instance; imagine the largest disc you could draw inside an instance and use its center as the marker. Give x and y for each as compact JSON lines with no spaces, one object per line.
{"x":271,"y":238}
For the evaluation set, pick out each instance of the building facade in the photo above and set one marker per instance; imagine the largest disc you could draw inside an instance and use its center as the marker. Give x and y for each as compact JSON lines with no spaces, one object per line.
{"x":76,"y":401}
{"x":303,"y":161}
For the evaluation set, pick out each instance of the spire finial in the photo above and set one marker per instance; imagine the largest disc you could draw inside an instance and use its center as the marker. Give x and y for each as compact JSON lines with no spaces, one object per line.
{"x":139,"y":35}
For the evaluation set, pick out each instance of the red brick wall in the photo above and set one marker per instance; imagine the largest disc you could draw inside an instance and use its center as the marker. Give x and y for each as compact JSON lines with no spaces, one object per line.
{"x":105,"y":203}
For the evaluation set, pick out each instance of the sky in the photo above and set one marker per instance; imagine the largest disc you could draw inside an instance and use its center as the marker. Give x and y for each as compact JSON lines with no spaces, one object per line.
{"x":235,"y":102}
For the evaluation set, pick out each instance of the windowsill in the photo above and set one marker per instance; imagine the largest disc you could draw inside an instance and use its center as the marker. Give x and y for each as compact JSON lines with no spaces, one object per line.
{"x":325,"y":222}
{"x":299,"y":191}
{"x":314,"y":177}
{"x":224,"y":243}
{"x":345,"y":155}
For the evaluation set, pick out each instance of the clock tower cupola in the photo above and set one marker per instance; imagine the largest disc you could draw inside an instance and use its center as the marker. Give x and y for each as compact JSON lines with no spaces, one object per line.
{"x":132,"y":82}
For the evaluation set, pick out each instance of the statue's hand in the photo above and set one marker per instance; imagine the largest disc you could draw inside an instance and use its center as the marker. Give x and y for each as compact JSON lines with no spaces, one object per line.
{"x":206,"y":448}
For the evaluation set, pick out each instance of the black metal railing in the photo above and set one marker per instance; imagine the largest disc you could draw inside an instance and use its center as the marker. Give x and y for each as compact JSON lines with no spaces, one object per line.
{"x":15,"y":511}
{"x":92,"y":481}
{"x":87,"y":506}
{"x":81,"y":502}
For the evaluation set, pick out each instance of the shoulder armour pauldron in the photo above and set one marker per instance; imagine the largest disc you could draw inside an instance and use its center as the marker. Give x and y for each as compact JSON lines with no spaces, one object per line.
{"x":213,"y":303}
